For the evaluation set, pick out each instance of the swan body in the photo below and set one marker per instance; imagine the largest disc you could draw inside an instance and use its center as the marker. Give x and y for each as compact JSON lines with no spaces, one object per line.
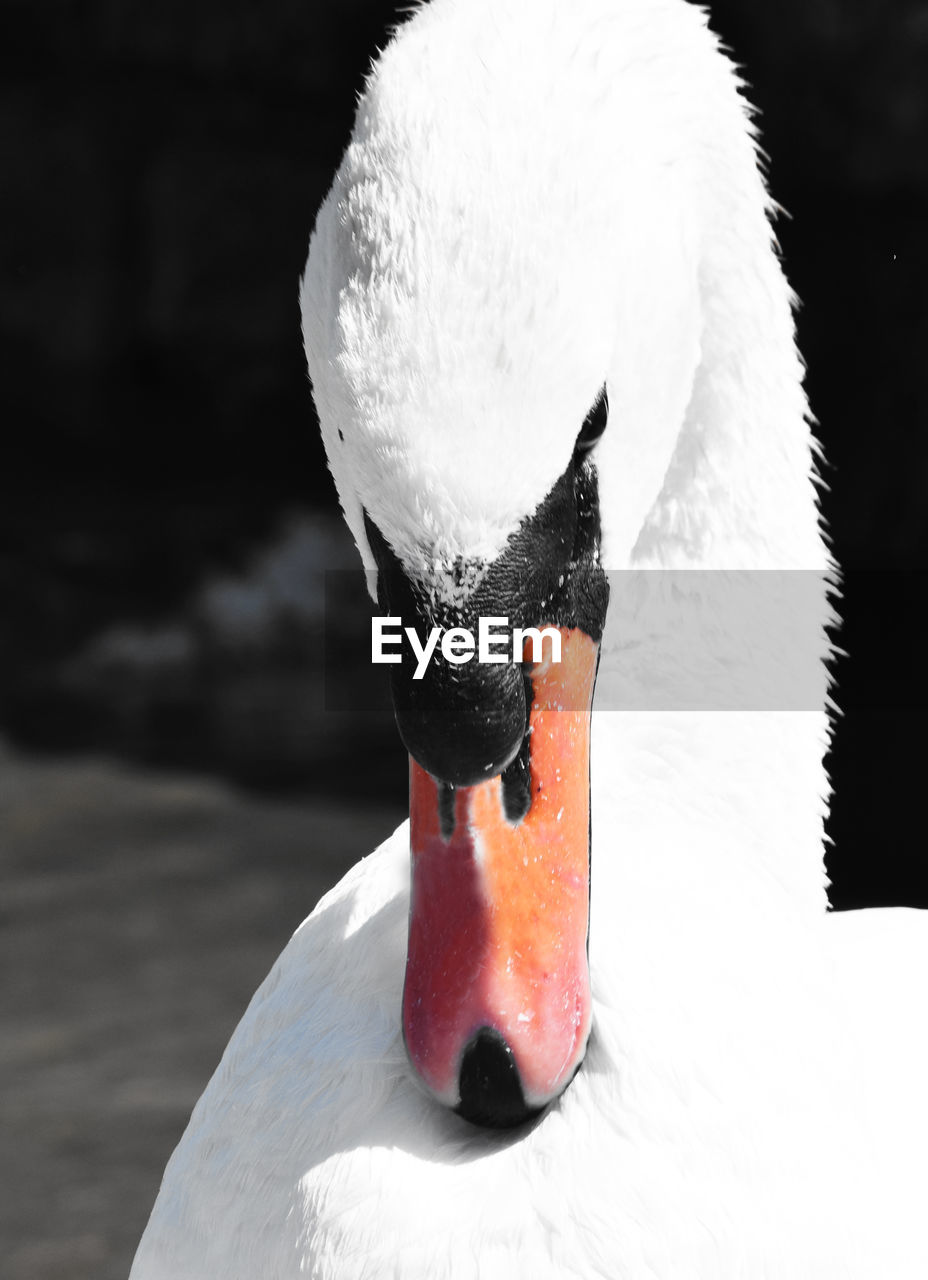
{"x":752,"y":1100}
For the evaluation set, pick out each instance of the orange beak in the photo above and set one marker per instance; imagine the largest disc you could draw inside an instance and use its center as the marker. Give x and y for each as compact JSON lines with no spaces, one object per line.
{"x":499,"y":914}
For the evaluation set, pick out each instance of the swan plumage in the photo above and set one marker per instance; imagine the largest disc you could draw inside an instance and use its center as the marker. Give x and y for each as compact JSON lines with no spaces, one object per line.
{"x":751,"y":1102}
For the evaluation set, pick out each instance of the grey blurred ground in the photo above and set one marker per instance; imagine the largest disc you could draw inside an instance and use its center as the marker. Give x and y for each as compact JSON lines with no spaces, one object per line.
{"x":138,"y":914}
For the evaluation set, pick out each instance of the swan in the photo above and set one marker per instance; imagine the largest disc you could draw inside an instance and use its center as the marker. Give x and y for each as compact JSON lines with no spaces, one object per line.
{"x":553,"y":356}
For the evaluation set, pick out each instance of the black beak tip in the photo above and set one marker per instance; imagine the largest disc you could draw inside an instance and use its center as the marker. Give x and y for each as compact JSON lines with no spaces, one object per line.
{"x":491,"y":1090}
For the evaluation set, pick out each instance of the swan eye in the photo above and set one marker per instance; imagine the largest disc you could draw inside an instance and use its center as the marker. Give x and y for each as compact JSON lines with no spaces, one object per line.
{"x":594,"y":424}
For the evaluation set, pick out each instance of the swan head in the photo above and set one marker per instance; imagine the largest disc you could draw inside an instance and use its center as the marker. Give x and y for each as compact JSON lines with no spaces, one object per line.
{"x":474,"y":308}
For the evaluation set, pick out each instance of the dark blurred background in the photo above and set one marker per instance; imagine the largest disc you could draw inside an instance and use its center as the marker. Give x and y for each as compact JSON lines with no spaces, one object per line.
{"x":166,"y":521}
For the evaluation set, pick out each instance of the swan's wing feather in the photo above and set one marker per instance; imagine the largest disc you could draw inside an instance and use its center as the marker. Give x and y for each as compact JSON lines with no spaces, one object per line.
{"x":881,"y":974}
{"x":881,"y":968}
{"x":301,"y":1077}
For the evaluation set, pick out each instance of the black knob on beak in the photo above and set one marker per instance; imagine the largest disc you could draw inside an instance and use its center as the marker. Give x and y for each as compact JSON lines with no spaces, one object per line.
{"x":462,"y":724}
